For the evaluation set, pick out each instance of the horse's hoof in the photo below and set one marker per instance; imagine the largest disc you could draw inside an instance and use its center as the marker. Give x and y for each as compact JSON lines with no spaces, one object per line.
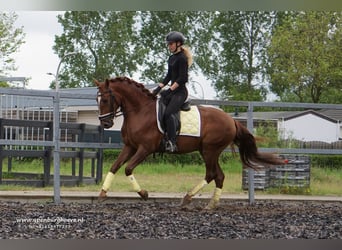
{"x":211,"y":206}
{"x":208,"y":208}
{"x":102,"y":196}
{"x":186,"y":200}
{"x":143,"y":194}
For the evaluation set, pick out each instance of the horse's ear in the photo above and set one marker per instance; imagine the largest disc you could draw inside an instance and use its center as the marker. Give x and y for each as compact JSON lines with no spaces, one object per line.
{"x":107,"y":83}
{"x":97,"y":83}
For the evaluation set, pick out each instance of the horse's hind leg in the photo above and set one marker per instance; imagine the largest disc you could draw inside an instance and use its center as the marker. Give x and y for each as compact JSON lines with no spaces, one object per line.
{"x":214,"y":201}
{"x":213,"y":171}
{"x":188,"y":197}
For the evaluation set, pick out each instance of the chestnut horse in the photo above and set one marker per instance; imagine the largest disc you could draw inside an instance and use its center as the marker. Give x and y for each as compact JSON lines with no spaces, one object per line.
{"x":141,"y":136}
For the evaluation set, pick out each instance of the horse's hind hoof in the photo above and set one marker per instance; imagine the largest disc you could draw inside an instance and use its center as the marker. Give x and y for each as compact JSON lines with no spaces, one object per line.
{"x":102,"y":196}
{"x":186,"y":201}
{"x":143,"y":194}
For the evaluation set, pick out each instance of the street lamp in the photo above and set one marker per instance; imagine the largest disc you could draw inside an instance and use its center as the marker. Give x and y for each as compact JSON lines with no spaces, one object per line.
{"x":200,"y":87}
{"x":56,"y":127}
{"x":58,"y":67}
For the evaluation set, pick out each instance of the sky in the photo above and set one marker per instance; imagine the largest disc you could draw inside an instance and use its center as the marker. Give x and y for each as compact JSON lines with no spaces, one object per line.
{"x":36,"y":58}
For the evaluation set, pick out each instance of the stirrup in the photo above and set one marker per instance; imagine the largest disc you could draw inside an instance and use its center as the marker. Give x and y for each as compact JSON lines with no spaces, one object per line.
{"x":186,"y":106}
{"x":171,"y":147}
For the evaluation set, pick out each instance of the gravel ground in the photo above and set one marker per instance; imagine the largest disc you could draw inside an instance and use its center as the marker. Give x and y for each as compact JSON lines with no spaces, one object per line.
{"x":143,"y":220}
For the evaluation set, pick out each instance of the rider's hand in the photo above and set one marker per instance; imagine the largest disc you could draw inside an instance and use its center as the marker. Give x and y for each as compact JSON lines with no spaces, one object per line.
{"x":156,"y":91}
{"x":165,"y":93}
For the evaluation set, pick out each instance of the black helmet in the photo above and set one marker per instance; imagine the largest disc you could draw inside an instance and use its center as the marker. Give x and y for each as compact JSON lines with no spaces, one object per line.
{"x":175,"y":36}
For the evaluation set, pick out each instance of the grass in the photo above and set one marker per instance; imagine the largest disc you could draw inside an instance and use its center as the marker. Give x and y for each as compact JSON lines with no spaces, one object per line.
{"x":326,"y":181}
{"x":168,"y":177}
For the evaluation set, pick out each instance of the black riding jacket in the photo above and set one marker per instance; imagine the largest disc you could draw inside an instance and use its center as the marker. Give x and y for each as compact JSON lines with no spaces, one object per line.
{"x":177,"y":71}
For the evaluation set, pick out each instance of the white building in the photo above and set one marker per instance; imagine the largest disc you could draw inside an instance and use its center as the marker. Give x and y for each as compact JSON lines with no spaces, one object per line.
{"x":310,"y":126}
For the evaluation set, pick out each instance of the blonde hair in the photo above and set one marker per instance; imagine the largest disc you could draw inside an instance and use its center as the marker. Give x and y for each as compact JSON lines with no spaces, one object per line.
{"x":188,"y":54}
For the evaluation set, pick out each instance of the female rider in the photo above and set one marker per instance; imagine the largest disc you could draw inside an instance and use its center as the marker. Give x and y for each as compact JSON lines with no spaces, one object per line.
{"x":174,"y":97}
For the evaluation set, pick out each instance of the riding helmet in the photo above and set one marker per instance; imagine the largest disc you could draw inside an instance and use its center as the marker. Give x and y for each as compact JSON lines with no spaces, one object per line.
{"x":175,"y":36}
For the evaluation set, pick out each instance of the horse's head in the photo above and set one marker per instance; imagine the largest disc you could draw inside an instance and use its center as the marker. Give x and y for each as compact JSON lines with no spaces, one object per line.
{"x":106,"y":104}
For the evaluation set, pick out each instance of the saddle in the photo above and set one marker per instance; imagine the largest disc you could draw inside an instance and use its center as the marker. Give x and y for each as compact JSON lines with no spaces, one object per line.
{"x":188,"y":121}
{"x":161,"y":110}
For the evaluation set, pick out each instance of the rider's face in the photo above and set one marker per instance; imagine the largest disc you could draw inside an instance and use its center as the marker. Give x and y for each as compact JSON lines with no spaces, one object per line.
{"x":172,"y":46}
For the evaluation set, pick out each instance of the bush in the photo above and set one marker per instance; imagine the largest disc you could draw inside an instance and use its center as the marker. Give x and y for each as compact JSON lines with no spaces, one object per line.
{"x":181,"y":159}
{"x":327,"y":161}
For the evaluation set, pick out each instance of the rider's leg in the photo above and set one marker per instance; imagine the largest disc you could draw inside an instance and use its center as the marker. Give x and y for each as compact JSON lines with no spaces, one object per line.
{"x":171,"y":133}
{"x":172,"y":108}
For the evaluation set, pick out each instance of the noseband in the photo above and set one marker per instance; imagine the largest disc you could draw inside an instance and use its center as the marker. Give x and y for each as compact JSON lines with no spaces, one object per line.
{"x":111,"y":114}
{"x":106,"y":116}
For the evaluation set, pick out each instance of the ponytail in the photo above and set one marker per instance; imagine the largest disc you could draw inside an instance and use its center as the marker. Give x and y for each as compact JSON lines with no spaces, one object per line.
{"x":188,"y":54}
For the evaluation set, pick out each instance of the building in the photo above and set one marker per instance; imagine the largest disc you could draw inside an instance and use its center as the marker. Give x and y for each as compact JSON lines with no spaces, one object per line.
{"x":308,"y":125}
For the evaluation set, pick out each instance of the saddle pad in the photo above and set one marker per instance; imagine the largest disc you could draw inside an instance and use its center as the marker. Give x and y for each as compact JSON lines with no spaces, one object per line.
{"x":190,"y":122}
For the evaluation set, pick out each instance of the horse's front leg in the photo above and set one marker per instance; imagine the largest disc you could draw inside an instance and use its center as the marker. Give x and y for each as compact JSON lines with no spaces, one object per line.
{"x":123,"y":157}
{"x":137,"y":158}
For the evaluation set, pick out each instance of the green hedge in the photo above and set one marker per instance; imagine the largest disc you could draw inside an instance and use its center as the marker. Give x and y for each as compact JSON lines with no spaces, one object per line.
{"x":326,"y":161}
{"x":182,"y":159}
{"x":322,"y":161}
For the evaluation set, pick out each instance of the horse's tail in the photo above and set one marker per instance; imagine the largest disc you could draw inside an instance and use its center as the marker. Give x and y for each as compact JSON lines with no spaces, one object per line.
{"x":249,"y":154}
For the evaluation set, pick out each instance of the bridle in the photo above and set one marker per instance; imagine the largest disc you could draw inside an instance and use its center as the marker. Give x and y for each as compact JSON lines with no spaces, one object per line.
{"x":112,"y":114}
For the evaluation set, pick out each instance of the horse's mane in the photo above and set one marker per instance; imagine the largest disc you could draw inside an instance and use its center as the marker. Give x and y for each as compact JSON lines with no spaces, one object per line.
{"x":139,"y":86}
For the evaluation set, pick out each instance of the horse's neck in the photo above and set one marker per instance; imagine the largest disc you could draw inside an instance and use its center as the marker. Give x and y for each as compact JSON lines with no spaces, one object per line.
{"x":133,"y":101}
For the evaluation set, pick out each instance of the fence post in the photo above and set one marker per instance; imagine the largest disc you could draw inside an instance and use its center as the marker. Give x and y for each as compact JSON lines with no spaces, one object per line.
{"x":250,"y":171}
{"x":56,"y":152}
{"x":99,"y":166}
{"x":81,"y":154}
{"x":1,"y":147}
{"x":47,"y":155}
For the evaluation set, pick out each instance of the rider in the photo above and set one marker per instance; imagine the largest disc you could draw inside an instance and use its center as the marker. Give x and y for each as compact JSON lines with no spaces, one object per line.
{"x":174,"y":97}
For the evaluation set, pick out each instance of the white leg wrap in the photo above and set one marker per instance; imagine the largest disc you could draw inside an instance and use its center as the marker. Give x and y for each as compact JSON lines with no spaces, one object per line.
{"x":198,"y":188}
{"x":135,"y":184}
{"x":108,"y":181}
{"x":215,"y":199}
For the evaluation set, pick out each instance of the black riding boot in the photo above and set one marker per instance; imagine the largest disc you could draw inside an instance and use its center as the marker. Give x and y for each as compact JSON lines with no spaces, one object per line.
{"x":171,"y":144}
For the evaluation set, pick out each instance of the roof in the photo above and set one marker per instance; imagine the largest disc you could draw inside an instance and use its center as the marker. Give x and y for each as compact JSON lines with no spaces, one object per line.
{"x":313,"y":112}
{"x":331,"y":115}
{"x":9,"y":101}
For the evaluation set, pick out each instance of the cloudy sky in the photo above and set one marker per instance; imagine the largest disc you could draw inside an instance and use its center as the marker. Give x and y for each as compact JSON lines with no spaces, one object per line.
{"x":36,"y":57}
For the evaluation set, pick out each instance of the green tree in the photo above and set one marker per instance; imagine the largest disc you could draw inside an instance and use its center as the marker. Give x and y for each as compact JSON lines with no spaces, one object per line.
{"x":10,"y":40}
{"x":237,"y":60}
{"x":305,"y":58}
{"x":104,"y":42}
{"x":154,"y":27}
{"x":4,"y":85}
{"x":126,"y":43}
